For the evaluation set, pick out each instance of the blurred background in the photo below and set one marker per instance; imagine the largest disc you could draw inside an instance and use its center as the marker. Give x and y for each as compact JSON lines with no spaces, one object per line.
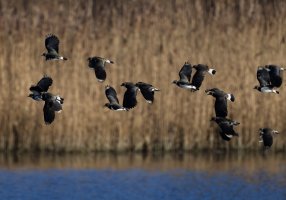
{"x":149,"y":41}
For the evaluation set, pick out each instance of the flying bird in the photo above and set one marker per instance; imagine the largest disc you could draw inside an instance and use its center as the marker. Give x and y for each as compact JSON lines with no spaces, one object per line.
{"x":186,"y":73}
{"x":42,"y":86}
{"x":147,"y":91}
{"x":113,"y":100}
{"x":52,"y":45}
{"x":200,"y":74}
{"x":185,"y":77}
{"x":220,"y":101}
{"x":266,"y":136}
{"x":53,"y":103}
{"x":265,"y":84}
{"x":129,"y":99}
{"x":226,"y":126}
{"x":98,"y":64}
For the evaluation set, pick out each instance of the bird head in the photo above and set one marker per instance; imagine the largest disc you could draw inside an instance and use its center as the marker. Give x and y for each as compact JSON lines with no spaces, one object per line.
{"x":175,"y":82}
{"x":256,"y":87}
{"x":106,"y":105}
{"x":209,"y":91}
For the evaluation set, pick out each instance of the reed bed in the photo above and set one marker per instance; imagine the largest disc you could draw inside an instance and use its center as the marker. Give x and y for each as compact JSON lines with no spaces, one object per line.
{"x":149,"y":41}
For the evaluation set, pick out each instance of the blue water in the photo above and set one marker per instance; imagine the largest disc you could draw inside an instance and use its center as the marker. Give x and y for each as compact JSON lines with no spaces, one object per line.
{"x":138,"y":184}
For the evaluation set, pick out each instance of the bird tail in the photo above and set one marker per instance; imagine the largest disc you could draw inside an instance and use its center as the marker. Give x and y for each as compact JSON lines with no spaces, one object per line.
{"x":212,"y":71}
{"x":110,"y":61}
{"x":230,"y":97}
{"x":275,"y":91}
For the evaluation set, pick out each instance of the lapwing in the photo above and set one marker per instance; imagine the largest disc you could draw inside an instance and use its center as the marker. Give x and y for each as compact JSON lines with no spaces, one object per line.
{"x":98,"y":64}
{"x":129,"y":100}
{"x":113,"y":100}
{"x":266,"y":136}
{"x":147,"y":91}
{"x":265,"y":85}
{"x":200,"y":74}
{"x":226,"y":126}
{"x":185,"y":77}
{"x":42,"y":86}
{"x":220,"y":101}
{"x":52,"y":45}
{"x":53,"y":103}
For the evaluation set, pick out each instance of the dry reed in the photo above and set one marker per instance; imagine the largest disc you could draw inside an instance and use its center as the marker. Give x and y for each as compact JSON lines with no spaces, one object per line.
{"x":149,"y":41}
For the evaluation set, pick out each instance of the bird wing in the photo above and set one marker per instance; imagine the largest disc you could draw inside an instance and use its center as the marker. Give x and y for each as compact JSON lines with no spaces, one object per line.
{"x":45,"y":83}
{"x":100,"y":73}
{"x":129,"y":99}
{"x":221,"y":107}
{"x":52,"y":43}
{"x":275,"y":75}
{"x":186,"y":72}
{"x":49,"y":114}
{"x":147,"y":94}
{"x":111,"y":95}
{"x":263,"y":77}
{"x":198,"y":78}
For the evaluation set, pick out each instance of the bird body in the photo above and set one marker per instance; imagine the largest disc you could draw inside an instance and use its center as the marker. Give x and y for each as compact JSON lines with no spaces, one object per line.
{"x":269,"y":77}
{"x":129,"y":100}
{"x":186,"y":73}
{"x":98,"y":64}
{"x":147,"y":91}
{"x":220,"y":101}
{"x":53,"y":103}
{"x":226,"y":126}
{"x":266,"y":136}
{"x":52,"y":45}
{"x":113,"y":100}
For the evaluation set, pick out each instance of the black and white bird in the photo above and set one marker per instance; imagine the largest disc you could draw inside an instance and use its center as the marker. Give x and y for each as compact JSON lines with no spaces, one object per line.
{"x":53,"y":103}
{"x":113,"y":100}
{"x":98,"y":64}
{"x":200,"y":74}
{"x":147,"y":91}
{"x":42,"y":86}
{"x":129,"y":100}
{"x":226,"y":126}
{"x":220,"y":101}
{"x":185,"y":77}
{"x":52,"y":45}
{"x":264,"y":79}
{"x":266,"y":136}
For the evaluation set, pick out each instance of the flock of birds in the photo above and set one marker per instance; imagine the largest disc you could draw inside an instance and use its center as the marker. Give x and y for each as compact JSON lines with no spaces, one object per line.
{"x":269,"y":77}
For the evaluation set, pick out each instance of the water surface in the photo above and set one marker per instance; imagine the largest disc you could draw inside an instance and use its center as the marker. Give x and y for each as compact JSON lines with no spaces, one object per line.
{"x":133,"y":176}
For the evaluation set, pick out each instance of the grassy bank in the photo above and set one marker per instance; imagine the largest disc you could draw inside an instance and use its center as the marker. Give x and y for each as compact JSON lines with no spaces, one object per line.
{"x":149,"y":41}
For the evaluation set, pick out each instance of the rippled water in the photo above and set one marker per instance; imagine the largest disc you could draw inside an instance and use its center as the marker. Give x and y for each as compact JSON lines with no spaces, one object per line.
{"x":136,"y":177}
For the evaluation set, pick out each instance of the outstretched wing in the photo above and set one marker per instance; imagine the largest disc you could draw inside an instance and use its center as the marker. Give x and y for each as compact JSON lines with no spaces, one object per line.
{"x":221,"y":107}
{"x":100,"y":74}
{"x":263,"y":76}
{"x":186,"y":72}
{"x":52,"y":43}
{"x":45,"y":83}
{"x":275,"y":75}
{"x":111,"y":94}
{"x":198,"y":78}
{"x":49,"y":114}
{"x":129,"y":100}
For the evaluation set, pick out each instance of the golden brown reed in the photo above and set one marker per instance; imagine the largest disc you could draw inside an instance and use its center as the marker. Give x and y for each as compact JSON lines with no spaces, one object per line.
{"x":149,"y":41}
